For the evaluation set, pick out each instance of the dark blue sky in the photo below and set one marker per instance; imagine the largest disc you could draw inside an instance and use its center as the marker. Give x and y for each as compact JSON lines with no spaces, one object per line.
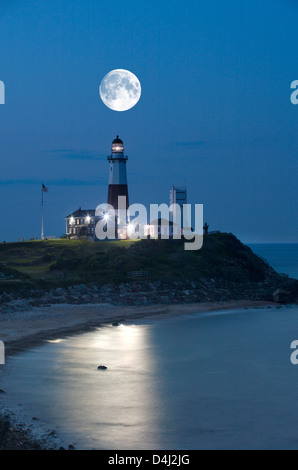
{"x":215,"y":109}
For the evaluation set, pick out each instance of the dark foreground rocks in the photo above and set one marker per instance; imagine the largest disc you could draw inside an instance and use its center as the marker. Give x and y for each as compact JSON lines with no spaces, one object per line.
{"x":17,"y":437}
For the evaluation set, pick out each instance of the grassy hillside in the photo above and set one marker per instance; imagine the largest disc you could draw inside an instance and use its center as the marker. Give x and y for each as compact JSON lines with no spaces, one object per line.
{"x":70,"y":261}
{"x":37,"y":260}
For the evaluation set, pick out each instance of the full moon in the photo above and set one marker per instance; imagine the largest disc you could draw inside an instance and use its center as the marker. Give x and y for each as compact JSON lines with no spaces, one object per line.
{"x":120,"y":90}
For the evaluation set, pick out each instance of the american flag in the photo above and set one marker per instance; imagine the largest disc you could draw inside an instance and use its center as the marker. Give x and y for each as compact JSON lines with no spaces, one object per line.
{"x":44,"y":188}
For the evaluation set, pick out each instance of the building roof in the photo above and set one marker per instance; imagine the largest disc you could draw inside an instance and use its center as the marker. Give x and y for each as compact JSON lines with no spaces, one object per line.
{"x":117,"y":140}
{"x":82,"y":213}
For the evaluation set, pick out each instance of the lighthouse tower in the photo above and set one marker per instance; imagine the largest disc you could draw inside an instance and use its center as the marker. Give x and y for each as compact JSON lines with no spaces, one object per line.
{"x":118,"y":178}
{"x":118,"y":182}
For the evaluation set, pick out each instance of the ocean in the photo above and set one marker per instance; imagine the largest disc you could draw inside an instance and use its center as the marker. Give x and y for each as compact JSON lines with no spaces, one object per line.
{"x":282,"y":257}
{"x":220,"y":380}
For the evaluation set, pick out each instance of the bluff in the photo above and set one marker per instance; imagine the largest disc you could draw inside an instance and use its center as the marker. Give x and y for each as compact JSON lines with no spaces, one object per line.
{"x":138,"y":272}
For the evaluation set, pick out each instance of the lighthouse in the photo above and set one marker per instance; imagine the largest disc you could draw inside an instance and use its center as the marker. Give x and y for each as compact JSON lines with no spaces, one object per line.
{"x":117,"y":175}
{"x":118,"y":183}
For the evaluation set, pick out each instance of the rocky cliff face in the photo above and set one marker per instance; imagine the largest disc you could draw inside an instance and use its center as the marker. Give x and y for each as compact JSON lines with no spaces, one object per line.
{"x":151,"y":293}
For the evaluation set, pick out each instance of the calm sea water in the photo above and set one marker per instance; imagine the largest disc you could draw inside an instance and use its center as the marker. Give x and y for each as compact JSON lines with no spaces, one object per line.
{"x":282,"y":257}
{"x":208,"y":381}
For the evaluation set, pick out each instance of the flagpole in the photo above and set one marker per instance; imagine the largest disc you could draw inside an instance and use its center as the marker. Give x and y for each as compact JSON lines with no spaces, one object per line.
{"x":42,"y":235}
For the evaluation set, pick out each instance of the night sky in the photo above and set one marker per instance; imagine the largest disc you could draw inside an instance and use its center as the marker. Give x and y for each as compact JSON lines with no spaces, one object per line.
{"x":215,"y":110}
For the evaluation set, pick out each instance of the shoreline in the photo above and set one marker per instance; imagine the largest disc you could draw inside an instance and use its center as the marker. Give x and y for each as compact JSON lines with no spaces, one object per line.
{"x":22,"y":330}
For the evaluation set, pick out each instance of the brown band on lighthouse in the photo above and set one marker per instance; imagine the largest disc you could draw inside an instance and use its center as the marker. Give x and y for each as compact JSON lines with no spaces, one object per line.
{"x":116,"y":190}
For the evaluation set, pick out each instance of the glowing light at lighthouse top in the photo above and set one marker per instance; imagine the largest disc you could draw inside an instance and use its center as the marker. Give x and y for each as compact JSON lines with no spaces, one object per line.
{"x":117,"y":151}
{"x":117,"y":145}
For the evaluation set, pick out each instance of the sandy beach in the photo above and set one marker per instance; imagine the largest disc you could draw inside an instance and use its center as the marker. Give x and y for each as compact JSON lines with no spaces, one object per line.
{"x":22,"y":330}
